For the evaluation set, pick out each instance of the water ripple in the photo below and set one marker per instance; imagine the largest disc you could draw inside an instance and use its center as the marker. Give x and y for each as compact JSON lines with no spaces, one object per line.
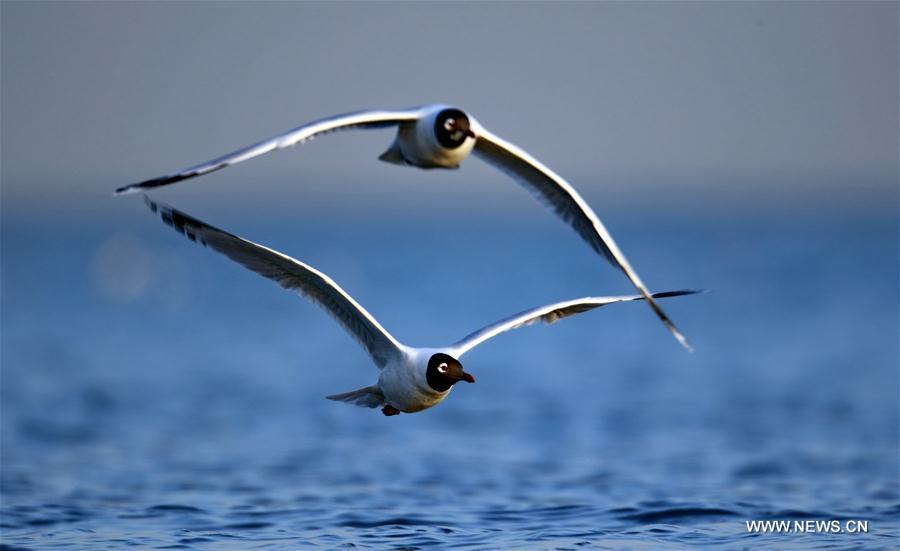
{"x":215,"y":435}
{"x":684,"y":514}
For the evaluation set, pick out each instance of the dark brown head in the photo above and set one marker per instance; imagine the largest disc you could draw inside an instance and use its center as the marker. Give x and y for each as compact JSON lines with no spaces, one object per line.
{"x":445,"y":371}
{"x":452,"y":127}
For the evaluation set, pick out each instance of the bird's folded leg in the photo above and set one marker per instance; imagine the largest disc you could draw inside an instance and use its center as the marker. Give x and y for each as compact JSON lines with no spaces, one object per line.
{"x":390,"y":410}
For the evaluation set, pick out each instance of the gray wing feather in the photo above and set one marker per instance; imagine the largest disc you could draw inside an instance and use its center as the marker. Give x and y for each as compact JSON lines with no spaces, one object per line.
{"x":359,"y":119}
{"x":290,"y":274}
{"x":549,"y":188}
{"x":550,"y":313}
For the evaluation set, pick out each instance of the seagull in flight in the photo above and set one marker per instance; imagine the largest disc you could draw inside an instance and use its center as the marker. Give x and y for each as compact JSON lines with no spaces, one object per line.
{"x":411,"y":378}
{"x":441,"y":136}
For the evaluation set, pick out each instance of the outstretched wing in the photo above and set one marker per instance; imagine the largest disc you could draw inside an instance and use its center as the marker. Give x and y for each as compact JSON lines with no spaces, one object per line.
{"x":547,"y":314}
{"x":290,"y":274}
{"x":556,"y":193}
{"x":359,"y":119}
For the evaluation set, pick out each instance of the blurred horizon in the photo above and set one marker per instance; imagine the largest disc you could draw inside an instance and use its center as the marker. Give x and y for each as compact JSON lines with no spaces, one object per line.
{"x":737,"y":106}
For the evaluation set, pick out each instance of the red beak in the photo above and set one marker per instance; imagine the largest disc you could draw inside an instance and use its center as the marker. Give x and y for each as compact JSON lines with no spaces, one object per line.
{"x":467,"y":378}
{"x":470,"y":134}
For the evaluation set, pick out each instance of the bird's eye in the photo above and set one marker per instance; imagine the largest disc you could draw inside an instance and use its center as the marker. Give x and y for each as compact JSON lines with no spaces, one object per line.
{"x":442,"y":368}
{"x":449,"y":124}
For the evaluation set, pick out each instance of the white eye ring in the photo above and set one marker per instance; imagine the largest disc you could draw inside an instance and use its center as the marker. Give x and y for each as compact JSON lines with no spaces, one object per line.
{"x":442,"y":368}
{"x":449,"y":124}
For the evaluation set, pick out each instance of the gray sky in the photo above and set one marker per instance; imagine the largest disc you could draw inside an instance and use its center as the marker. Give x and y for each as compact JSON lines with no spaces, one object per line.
{"x":724,"y":101}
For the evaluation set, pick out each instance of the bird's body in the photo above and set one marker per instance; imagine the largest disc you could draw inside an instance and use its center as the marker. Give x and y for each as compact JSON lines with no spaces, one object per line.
{"x":412,"y":378}
{"x":404,"y":382}
{"x":417,"y":142}
{"x":441,"y":136}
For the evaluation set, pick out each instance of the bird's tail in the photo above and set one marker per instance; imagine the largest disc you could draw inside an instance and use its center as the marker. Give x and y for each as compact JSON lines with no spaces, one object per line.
{"x":367,"y":397}
{"x":394,"y":155}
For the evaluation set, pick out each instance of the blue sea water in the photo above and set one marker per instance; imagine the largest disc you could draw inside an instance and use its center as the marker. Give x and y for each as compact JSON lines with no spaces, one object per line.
{"x":155,"y":395}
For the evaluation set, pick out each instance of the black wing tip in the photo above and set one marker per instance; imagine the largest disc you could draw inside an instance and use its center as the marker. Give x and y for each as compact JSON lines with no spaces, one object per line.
{"x":153,"y":205}
{"x":679,"y":336}
{"x":126,"y":190}
{"x":150,"y":184}
{"x":181,"y":222}
{"x":679,"y":293}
